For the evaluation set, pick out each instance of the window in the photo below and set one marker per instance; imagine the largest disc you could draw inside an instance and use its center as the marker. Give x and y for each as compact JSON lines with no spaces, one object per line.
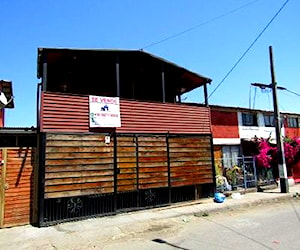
{"x":292,"y":122}
{"x":230,"y":155}
{"x":269,"y":120}
{"x":249,"y":119}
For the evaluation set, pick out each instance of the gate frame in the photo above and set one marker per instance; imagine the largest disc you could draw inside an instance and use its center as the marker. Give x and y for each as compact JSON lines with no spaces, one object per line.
{"x":167,"y":193}
{"x":241,"y":163}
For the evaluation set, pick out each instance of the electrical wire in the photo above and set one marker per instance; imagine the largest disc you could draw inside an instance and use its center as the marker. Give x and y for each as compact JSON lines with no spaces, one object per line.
{"x":254,"y":98}
{"x":282,"y":108}
{"x":292,"y":92}
{"x":248,"y":49}
{"x":250,"y":96}
{"x":269,"y":102}
{"x":199,"y":25}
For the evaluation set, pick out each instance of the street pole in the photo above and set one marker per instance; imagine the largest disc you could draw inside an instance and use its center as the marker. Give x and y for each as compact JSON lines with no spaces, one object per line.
{"x":284,"y":186}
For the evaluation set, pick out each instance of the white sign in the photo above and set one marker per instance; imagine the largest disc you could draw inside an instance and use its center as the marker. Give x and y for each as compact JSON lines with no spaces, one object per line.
{"x":104,"y":112}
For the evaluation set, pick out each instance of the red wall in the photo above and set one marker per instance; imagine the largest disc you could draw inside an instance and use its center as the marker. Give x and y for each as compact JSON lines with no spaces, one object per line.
{"x":139,"y":117}
{"x":224,"y":124}
{"x":70,"y":113}
{"x":292,"y":132}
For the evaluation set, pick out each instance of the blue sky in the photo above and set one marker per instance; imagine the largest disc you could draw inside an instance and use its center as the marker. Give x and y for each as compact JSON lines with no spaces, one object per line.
{"x":211,"y":49}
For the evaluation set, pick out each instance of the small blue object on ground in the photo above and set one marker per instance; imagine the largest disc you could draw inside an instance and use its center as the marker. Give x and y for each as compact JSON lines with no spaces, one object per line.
{"x":219,"y":197}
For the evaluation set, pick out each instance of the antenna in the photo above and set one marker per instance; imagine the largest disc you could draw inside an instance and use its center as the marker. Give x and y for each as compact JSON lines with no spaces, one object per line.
{"x":3,"y":99}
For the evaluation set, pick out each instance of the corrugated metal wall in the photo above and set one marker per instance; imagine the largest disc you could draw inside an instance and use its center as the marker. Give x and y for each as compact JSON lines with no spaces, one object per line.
{"x":69,"y":113}
{"x":64,"y":113}
{"x":145,"y":117}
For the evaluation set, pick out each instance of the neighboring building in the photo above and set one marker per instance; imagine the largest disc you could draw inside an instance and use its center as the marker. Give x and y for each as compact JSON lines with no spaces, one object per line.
{"x":233,"y":129}
{"x":291,"y":124}
{"x":16,"y":166}
{"x":148,"y":150}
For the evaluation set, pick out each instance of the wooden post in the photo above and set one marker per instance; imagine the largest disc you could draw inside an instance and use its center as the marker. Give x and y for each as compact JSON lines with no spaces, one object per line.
{"x":118,"y":76}
{"x":2,"y":184}
{"x":205,"y":95}
{"x":163,"y":83}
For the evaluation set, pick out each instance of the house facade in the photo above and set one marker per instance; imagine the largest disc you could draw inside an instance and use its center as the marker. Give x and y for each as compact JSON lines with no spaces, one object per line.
{"x":114,"y":135}
{"x":233,"y":129}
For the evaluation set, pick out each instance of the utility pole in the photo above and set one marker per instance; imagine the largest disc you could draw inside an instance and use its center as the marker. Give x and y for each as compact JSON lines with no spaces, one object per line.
{"x":284,"y":186}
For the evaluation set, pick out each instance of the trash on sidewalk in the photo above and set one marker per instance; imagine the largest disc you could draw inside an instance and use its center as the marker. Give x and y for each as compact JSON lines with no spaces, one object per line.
{"x":185,"y":220}
{"x":219,"y":197}
{"x":237,"y":196}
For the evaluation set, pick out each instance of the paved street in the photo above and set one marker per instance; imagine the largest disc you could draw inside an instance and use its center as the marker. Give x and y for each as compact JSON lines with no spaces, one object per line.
{"x":259,"y":220}
{"x":275,"y":226}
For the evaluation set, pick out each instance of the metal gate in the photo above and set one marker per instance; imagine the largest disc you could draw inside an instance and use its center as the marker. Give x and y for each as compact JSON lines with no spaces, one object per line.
{"x":87,"y":175}
{"x":156,"y":170}
{"x":143,"y":173}
{"x":238,"y":172}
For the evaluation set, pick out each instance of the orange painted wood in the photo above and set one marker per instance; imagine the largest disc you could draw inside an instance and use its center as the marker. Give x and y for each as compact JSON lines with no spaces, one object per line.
{"x":18,"y":202}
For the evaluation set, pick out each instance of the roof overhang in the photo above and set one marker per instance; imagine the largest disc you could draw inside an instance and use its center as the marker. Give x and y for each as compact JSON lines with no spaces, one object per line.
{"x":18,"y":131}
{"x":188,"y":80}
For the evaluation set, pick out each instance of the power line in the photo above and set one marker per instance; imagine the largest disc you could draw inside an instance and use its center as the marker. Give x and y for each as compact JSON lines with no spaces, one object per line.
{"x":269,"y":102}
{"x":251,"y":45}
{"x":250,"y":97}
{"x":199,"y":25}
{"x":292,"y":92}
{"x":254,"y":98}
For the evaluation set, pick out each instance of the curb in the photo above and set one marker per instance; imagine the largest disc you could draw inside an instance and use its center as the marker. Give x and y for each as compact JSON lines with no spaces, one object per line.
{"x":206,"y":207}
{"x":244,"y":204}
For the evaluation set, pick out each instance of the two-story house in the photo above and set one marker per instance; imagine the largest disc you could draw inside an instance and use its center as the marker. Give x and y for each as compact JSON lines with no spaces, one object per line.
{"x":234,"y":129}
{"x":114,"y":135}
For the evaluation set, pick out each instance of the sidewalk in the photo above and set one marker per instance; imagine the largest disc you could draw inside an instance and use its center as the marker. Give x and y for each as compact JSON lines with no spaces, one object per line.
{"x":91,"y":233}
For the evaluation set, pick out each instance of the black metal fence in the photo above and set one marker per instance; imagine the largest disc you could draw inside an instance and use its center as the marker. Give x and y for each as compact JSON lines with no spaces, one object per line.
{"x":81,"y":207}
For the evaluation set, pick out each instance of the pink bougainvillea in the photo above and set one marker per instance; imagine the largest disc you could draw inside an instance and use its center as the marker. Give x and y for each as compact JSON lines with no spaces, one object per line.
{"x":264,"y":157}
{"x":267,"y":155}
